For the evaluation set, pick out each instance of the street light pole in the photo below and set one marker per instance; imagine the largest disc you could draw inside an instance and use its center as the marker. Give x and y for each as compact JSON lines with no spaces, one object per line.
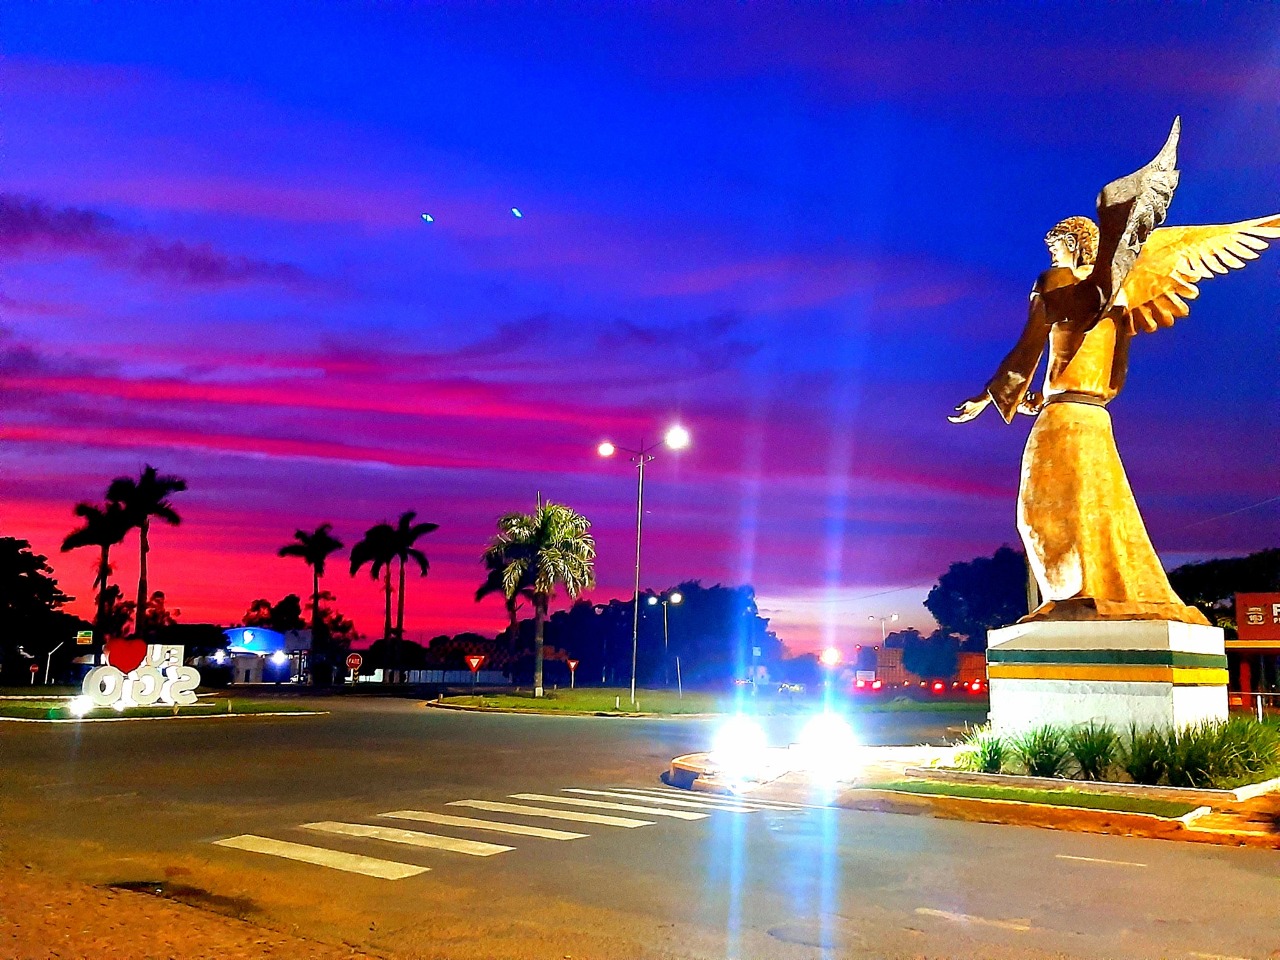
{"x":635,"y":614}
{"x":677,"y":438}
{"x":892,"y":618}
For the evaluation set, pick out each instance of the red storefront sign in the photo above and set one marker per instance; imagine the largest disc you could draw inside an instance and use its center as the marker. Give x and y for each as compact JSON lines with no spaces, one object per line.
{"x":1258,"y":618}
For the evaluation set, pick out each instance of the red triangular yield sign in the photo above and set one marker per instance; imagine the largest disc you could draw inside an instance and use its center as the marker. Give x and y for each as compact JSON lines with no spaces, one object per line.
{"x":474,"y":661}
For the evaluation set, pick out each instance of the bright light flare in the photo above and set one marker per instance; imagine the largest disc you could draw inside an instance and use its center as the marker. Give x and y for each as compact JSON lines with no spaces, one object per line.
{"x":828,"y":747}
{"x":677,"y":597}
{"x":279,"y":658}
{"x":830,"y":657}
{"x":220,"y":656}
{"x":653,"y":601}
{"x":81,"y":705}
{"x":739,"y":748}
{"x":677,"y":437}
{"x":606,"y":449}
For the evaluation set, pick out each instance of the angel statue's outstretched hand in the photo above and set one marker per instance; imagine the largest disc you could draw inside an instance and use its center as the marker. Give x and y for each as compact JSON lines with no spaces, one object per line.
{"x":1084,"y":537}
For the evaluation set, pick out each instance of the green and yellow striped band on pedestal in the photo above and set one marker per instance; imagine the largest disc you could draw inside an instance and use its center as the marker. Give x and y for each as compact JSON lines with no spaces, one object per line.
{"x":1125,"y":666}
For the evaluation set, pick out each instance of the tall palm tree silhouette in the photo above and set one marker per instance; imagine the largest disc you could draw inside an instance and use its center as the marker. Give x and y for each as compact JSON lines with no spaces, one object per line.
{"x":378,"y":549}
{"x":406,"y":535}
{"x":314,"y":548}
{"x":104,"y":527}
{"x":538,"y":551}
{"x":142,"y":499}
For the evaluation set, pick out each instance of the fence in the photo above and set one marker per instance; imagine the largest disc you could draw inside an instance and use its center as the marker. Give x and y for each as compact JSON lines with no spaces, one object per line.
{"x":488,"y":678}
{"x":1260,"y":704}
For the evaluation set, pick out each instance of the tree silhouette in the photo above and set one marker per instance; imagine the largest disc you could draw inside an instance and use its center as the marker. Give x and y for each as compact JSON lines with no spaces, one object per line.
{"x":549,"y":547}
{"x":378,"y":548}
{"x":103,"y":527}
{"x":140,"y":500}
{"x":406,"y":535}
{"x":314,"y":548}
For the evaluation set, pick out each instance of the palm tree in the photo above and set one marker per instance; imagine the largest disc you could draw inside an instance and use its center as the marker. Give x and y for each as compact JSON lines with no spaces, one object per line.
{"x":142,"y":499}
{"x":550,"y":546}
{"x":406,"y":535}
{"x":378,"y":549}
{"x":103,"y":527}
{"x":314,"y":549}
{"x":494,"y":583}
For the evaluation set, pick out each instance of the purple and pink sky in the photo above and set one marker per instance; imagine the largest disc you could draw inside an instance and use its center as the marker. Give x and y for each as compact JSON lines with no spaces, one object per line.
{"x":803,"y":231}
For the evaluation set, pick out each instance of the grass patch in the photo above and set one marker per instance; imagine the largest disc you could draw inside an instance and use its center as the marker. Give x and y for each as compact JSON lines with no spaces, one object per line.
{"x":1054,"y":798}
{"x":669,"y":703}
{"x":61,"y":710}
{"x":595,"y":700}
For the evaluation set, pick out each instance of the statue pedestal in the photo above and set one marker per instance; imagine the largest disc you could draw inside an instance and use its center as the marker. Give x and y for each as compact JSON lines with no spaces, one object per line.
{"x":1153,"y":673}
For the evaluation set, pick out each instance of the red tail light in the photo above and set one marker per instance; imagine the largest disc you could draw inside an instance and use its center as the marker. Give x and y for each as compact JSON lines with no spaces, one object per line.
{"x":938,"y":686}
{"x":876,"y":685}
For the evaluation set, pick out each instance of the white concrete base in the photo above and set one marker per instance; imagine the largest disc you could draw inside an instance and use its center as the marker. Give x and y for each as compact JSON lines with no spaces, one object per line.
{"x":1143,"y":672}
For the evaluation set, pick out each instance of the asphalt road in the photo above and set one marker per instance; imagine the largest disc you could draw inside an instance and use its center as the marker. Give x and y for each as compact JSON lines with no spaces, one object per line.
{"x":147,"y":801}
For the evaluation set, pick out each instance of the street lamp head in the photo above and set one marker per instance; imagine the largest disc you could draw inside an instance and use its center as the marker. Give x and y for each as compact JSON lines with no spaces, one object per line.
{"x":677,"y":597}
{"x":606,"y":449}
{"x":893,"y":618}
{"x":653,"y":601}
{"x":677,"y":437}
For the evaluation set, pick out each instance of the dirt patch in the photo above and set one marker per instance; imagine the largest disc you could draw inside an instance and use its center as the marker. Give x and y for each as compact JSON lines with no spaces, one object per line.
{"x":44,"y":917}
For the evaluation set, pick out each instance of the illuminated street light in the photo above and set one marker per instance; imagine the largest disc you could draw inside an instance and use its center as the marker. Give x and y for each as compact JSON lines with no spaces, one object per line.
{"x":653,"y":601}
{"x":676,"y":438}
{"x":830,"y":658}
{"x":515,"y":212}
{"x":676,"y":597}
{"x":892,"y":618}
{"x":428,"y":218}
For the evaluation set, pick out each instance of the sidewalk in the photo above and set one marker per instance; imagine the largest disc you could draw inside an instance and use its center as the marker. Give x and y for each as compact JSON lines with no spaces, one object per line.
{"x":43,"y":917}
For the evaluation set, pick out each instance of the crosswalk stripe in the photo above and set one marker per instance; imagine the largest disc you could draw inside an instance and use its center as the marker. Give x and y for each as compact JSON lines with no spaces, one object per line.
{"x":708,"y":798}
{"x":605,"y":821}
{"x":335,"y":859}
{"x":413,"y":838}
{"x":607,"y":805}
{"x":497,"y":826}
{"x":665,"y":801}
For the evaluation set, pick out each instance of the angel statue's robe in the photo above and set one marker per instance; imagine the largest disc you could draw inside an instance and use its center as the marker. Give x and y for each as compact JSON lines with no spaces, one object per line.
{"x":1079,"y":522}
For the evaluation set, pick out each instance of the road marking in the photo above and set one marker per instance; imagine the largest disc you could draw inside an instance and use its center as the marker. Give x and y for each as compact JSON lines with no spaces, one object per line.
{"x":496,"y":826}
{"x":1215,"y":956}
{"x":335,"y":859}
{"x":665,"y":801}
{"x":413,"y":838}
{"x":703,"y":797}
{"x":981,"y":921}
{"x":607,"y":805}
{"x":1116,"y":863}
{"x":604,"y":821}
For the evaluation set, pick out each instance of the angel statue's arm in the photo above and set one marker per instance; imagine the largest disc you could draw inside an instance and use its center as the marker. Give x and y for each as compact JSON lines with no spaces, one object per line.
{"x":1008,"y":388}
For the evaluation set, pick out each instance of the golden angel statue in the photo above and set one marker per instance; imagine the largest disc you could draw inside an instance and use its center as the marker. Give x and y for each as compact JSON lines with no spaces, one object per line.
{"x":1085,"y":540}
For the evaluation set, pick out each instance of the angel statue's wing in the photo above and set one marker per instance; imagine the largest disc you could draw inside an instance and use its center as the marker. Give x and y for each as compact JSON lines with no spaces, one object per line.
{"x":1174,"y":259}
{"x":1128,"y":210}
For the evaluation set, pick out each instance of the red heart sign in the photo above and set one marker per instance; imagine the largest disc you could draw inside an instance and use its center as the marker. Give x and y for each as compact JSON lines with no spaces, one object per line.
{"x":126,"y":655}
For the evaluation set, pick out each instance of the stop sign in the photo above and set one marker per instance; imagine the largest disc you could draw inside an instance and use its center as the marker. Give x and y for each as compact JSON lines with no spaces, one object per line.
{"x":354,"y":660}
{"x":35,"y":668}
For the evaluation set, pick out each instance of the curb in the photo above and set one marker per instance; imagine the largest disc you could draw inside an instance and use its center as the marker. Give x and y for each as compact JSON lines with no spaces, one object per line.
{"x":1188,"y":794}
{"x":181,"y":716}
{"x":689,"y":773}
{"x":608,"y":715}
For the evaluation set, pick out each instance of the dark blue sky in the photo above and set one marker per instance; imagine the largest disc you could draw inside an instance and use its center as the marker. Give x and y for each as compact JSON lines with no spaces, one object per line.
{"x":804,"y":231}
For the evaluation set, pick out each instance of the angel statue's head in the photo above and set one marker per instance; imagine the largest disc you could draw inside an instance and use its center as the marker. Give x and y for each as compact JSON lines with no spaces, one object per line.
{"x":1073,"y":242}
